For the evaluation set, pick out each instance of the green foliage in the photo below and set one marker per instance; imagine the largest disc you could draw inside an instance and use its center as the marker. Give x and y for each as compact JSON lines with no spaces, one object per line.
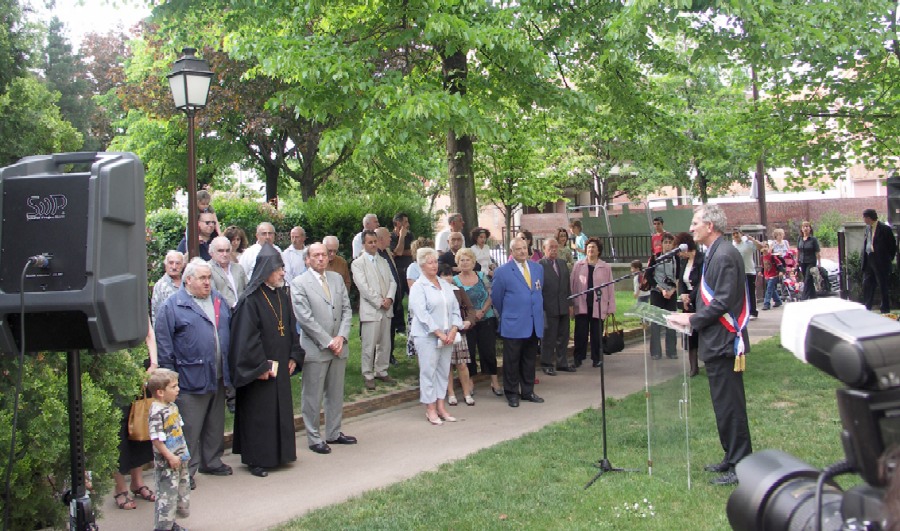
{"x":341,"y":215}
{"x":246,"y":214}
{"x":828,"y":225}
{"x":30,"y":122}
{"x":165,"y":229}
{"x":41,"y":471}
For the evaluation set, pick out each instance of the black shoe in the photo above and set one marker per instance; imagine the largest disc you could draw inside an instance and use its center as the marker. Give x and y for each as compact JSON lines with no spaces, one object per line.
{"x":393,"y":360}
{"x":343,"y":439}
{"x":223,"y":470}
{"x":657,"y":357}
{"x":726,"y":479}
{"x":533,"y":398}
{"x":549,"y":371}
{"x":513,"y":401}
{"x":675,"y":357}
{"x":259,"y":471}
{"x":567,"y":369}
{"x":193,"y":484}
{"x":718,"y":467}
{"x":596,"y":363}
{"x":577,"y":363}
{"x":320,"y":448}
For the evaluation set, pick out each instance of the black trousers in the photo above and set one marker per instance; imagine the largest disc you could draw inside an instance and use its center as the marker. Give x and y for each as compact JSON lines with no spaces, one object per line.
{"x":871,"y":275}
{"x":751,"y":293}
{"x":555,"y":343}
{"x":519,"y":357}
{"x":584,"y":326}
{"x":726,"y":389}
{"x":482,"y":338}
{"x":656,"y":331}
{"x":809,"y":290}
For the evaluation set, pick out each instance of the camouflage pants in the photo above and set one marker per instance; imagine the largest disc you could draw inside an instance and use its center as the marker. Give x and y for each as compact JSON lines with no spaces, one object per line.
{"x":173,"y":495}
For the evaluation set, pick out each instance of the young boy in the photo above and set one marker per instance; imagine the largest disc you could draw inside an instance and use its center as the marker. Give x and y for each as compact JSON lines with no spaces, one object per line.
{"x":170,"y":452}
{"x":637,"y":269}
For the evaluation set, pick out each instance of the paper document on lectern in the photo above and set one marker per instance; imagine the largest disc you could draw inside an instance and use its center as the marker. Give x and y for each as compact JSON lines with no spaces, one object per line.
{"x":655,"y":314}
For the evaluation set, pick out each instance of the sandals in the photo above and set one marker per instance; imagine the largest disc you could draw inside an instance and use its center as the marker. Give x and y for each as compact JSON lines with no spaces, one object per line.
{"x":145,"y":493}
{"x":497,"y":392}
{"x":451,"y":400}
{"x":469,"y":400}
{"x":124,"y":501}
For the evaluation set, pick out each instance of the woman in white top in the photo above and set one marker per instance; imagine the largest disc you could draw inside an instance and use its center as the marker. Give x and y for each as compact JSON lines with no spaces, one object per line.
{"x":482,"y":250}
{"x":779,"y":245}
{"x":412,"y":275}
{"x":435,"y":326}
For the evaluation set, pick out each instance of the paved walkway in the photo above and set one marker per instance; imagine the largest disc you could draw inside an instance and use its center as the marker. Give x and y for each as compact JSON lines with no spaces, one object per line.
{"x":397,"y":443}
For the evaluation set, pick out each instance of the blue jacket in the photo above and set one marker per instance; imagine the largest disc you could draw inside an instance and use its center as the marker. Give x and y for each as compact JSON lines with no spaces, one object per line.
{"x":521,"y":309}
{"x":185,"y":342}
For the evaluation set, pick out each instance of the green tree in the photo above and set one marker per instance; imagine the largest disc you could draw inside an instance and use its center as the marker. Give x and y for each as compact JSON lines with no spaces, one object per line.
{"x":63,"y":72}
{"x":31,"y":124}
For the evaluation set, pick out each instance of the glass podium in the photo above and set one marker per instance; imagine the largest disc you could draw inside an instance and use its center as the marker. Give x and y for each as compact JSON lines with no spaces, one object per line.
{"x":668,"y":395}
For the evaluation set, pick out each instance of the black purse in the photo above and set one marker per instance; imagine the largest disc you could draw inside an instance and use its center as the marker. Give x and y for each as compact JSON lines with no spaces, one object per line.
{"x":613,"y":335}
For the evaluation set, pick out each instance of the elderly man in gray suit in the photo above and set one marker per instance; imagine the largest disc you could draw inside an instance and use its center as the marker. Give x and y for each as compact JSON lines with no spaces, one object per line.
{"x":228,"y":277}
{"x":557,"y":311}
{"x":377,"y":290}
{"x":322,"y":308}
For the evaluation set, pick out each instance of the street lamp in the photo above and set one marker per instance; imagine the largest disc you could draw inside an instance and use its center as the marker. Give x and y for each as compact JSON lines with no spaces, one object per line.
{"x":189,"y":81}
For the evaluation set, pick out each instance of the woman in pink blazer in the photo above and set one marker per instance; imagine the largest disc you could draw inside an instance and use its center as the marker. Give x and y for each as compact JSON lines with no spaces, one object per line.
{"x":590,"y":309}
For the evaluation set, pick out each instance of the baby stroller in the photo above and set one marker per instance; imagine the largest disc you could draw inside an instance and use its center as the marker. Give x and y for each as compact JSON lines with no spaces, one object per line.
{"x":788,"y":287}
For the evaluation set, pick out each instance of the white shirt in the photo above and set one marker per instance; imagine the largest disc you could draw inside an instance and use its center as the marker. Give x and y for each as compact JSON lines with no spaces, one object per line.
{"x":482,"y":256}
{"x":442,"y":241}
{"x":248,"y":259}
{"x":357,"y":245}
{"x":747,"y":250}
{"x":294,"y":262}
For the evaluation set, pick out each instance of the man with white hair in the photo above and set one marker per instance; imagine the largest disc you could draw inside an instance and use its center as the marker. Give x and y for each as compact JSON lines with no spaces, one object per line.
{"x":454,"y":224}
{"x":369,"y":222}
{"x":228,"y":278}
{"x":192,"y":338}
{"x":336,"y":262}
{"x":265,"y":233}
{"x":295,"y":255}
{"x":167,"y":284}
{"x":723,"y":312}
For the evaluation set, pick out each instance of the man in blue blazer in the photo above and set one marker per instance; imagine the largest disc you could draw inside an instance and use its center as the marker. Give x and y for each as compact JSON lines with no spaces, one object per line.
{"x":517,"y":296}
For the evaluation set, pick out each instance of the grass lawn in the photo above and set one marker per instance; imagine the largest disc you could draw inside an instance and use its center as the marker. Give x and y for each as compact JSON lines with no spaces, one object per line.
{"x":537,"y":481}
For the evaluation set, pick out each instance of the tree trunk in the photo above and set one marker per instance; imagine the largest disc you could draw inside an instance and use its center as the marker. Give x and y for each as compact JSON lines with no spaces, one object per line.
{"x":272,"y":172}
{"x":760,"y":163}
{"x":460,"y":149}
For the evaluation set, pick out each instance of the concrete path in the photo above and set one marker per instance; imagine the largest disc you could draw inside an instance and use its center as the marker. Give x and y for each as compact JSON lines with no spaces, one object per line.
{"x":397,"y":443}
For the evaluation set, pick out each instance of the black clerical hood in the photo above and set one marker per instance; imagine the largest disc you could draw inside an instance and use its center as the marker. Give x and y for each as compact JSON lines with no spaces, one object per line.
{"x":267,"y":261}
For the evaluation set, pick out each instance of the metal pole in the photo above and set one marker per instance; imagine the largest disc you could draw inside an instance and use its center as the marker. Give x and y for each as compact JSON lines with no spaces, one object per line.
{"x":193,"y":237}
{"x":81,"y":514}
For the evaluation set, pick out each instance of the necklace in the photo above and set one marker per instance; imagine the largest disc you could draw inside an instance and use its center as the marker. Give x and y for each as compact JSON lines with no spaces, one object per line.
{"x":279,"y":314}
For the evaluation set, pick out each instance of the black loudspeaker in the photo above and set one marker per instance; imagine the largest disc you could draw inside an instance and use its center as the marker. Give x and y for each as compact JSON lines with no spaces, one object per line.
{"x":85,"y":213}
{"x":893,"y":200}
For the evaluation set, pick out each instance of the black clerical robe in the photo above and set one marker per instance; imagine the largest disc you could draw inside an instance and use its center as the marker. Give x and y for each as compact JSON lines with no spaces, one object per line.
{"x":264,"y":415}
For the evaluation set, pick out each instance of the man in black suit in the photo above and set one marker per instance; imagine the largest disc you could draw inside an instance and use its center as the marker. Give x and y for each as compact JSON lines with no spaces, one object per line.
{"x":721,"y":322}
{"x":557,"y":311}
{"x":879,"y":249}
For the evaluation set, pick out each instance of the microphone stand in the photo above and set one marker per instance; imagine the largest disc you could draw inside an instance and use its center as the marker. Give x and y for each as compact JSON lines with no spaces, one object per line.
{"x":604,"y":465}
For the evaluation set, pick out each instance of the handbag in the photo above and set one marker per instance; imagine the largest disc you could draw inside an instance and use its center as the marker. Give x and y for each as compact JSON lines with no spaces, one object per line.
{"x":139,"y":417}
{"x":613,"y":336}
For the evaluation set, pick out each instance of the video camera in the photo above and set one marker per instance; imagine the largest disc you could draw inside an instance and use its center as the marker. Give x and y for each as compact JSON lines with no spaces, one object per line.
{"x":779,"y":491}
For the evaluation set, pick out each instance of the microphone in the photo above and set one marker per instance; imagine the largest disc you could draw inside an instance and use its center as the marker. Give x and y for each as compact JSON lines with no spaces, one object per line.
{"x":665,"y":256}
{"x":41,"y":260}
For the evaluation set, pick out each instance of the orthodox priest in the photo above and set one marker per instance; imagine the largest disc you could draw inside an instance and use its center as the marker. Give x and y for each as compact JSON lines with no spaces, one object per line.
{"x":265,"y":351}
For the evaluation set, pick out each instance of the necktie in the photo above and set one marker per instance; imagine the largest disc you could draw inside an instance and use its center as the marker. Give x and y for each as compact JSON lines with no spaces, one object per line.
{"x":527,"y":274}
{"x":325,"y":287}
{"x":869,"y":248}
{"x":555,"y":268}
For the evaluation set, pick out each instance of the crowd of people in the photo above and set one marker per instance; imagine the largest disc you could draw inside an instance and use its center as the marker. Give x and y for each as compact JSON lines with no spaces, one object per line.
{"x":230,"y":327}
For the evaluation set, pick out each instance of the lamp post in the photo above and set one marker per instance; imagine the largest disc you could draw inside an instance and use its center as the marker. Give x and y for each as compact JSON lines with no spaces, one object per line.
{"x":189,"y":81}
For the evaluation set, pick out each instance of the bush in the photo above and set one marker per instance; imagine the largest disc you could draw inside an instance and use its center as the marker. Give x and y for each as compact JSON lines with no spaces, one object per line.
{"x":853,"y":267}
{"x":342,"y":216}
{"x":41,"y":472}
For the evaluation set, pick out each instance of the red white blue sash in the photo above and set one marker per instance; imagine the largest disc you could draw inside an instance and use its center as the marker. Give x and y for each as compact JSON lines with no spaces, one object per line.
{"x":732,"y":323}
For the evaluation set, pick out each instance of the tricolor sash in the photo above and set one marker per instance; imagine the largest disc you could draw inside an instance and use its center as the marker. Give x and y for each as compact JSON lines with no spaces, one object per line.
{"x":732,"y":323}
